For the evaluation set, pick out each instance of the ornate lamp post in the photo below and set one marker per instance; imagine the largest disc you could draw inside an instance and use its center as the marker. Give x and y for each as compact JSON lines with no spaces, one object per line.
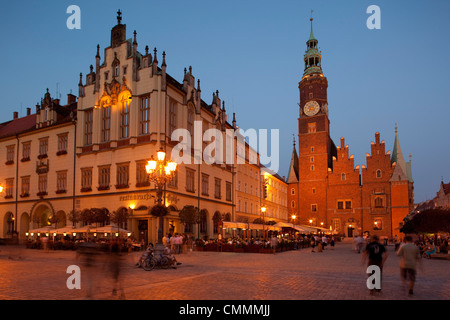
{"x":160,"y":172}
{"x":263,"y":210}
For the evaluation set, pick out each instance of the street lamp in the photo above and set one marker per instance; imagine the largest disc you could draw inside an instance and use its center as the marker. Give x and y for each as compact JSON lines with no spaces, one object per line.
{"x":160,"y":172}
{"x":263,"y":210}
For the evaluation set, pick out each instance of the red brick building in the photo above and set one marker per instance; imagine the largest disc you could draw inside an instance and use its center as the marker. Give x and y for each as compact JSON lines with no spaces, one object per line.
{"x":325,"y":187}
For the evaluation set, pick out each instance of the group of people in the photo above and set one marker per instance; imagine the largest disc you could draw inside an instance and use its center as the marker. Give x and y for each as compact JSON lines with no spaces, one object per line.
{"x":321,"y":242}
{"x":178,"y":243}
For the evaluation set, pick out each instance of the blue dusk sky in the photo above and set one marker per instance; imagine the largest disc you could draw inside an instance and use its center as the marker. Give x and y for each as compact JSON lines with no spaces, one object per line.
{"x":252,"y":52}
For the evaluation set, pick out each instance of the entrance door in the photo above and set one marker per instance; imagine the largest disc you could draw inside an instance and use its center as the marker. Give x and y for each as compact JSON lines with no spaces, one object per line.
{"x":350,"y":231}
{"x":143,"y":231}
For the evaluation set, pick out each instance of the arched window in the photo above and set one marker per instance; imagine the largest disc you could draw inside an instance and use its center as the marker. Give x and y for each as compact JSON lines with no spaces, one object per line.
{"x":343,"y":176}
{"x":293,"y":204}
{"x":378,"y":173}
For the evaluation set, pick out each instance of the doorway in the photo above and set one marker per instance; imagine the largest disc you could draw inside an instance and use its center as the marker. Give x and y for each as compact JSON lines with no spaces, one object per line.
{"x":350,"y":230}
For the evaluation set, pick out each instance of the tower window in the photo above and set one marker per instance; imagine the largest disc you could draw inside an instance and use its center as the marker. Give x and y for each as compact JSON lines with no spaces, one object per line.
{"x":378,"y":173}
{"x":311,"y":95}
{"x":343,"y":177}
{"x":311,"y":127}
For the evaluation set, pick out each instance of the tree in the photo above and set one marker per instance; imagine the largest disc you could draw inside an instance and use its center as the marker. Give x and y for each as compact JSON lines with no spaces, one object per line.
{"x":74,"y":217}
{"x":190,"y":215}
{"x":428,"y":221}
{"x":120,"y":216}
{"x":100,"y":215}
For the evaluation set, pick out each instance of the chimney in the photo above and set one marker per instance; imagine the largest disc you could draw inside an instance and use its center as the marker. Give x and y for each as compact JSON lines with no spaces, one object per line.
{"x":16,"y":115}
{"x":28,"y":111}
{"x":71,"y":98}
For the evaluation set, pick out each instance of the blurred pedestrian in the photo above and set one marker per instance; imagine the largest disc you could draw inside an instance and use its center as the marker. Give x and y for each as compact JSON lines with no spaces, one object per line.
{"x":115,"y":265}
{"x":376,"y":254}
{"x":410,"y":256}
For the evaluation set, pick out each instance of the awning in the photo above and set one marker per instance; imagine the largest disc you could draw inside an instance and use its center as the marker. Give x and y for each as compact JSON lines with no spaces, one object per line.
{"x":110,"y":229}
{"x":42,"y":230}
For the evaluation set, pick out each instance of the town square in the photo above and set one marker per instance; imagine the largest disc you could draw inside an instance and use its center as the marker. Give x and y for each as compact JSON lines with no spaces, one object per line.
{"x":236,"y":154}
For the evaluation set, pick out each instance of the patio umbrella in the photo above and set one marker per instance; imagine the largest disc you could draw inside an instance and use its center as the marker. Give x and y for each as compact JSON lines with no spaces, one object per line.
{"x":110,"y":229}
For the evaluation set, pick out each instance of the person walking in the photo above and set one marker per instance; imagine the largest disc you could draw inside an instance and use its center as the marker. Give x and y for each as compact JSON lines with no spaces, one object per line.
{"x":410,"y":257}
{"x":376,"y":254}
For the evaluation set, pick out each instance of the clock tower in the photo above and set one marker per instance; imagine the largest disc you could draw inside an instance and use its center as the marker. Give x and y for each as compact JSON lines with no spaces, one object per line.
{"x":316,"y":149}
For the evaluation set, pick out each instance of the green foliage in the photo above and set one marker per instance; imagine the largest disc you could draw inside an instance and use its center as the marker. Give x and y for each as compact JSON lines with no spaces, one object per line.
{"x":190,"y":215}
{"x":428,"y":221}
{"x":159,"y":210}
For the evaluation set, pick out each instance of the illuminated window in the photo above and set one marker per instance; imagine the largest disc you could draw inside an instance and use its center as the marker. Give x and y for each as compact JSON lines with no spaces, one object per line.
{"x":106,"y":123}
{"x":124,"y":119}
{"x":378,"y":224}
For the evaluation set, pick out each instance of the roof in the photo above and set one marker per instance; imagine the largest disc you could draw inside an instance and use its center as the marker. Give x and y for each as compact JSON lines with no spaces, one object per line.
{"x":17,"y":126}
{"x":445,"y":187}
{"x":293,"y":168}
{"x":402,"y":169}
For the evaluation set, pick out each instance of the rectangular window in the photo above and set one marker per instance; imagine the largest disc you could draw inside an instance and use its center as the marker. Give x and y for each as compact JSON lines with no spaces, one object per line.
{"x":9,"y":187}
{"x":314,"y":207}
{"x":86,"y":179}
{"x":43,"y":147}
{"x":122,"y":176}
{"x":61,"y":181}
{"x":172,"y":117}
{"x":205,"y":184}
{"x":103,"y":177}
{"x":174,"y":181}
{"x":378,"y":224}
{"x":10,"y":154}
{"x":344,"y":204}
{"x":190,"y":180}
{"x":124,"y":119}
{"x":217,"y":188}
{"x":106,"y":123}
{"x":42,"y":184}
{"x":145,"y":115}
{"x":26,"y":151}
{"x":62,"y":143}
{"x":25,"y":191}
{"x":190,"y":121}
{"x":142,"y":178}
{"x":228,"y":191}
{"x":88,"y":125}
{"x":348,"y":204}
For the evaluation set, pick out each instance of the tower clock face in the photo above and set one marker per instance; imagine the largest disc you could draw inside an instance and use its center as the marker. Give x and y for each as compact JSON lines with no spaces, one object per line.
{"x":311,"y":108}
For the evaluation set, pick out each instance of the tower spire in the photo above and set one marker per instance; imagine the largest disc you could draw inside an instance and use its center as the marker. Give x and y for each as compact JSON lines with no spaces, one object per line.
{"x":312,"y":57}
{"x":311,"y":35}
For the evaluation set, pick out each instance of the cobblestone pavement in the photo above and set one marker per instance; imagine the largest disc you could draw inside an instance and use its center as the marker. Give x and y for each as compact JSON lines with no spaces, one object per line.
{"x":337,"y":273}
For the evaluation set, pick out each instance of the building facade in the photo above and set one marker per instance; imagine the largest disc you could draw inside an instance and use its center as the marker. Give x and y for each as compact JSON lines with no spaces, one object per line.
{"x":325,"y":187}
{"x":90,"y":154}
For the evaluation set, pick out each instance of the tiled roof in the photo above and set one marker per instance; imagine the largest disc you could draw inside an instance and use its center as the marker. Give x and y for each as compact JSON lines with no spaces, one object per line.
{"x":17,"y":126}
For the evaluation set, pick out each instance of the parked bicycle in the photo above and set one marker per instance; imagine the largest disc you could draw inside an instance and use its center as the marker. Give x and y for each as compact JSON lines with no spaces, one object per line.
{"x":163,"y":261}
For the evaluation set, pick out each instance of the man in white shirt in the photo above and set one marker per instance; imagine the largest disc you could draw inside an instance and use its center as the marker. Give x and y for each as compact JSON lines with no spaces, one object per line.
{"x":410,"y":255}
